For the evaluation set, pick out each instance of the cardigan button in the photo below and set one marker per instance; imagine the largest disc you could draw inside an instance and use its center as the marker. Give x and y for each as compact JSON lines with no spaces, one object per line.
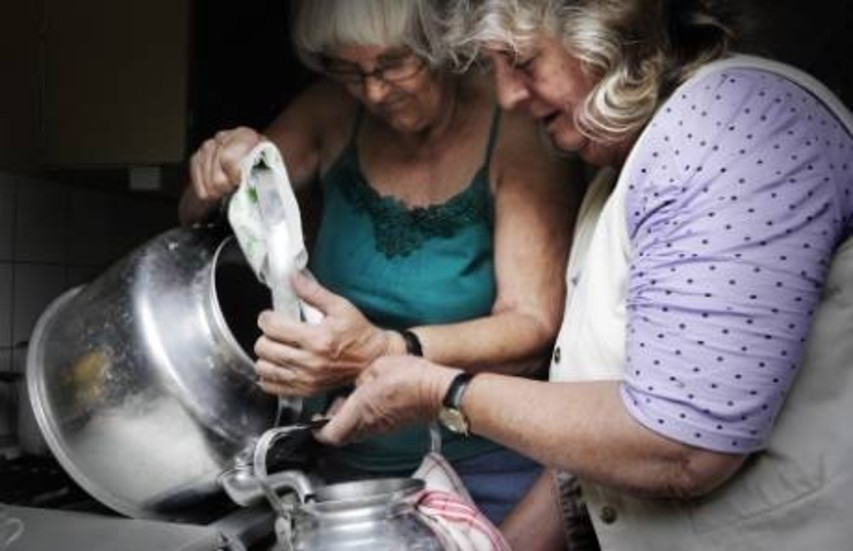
{"x":557,"y":355}
{"x":608,"y":514}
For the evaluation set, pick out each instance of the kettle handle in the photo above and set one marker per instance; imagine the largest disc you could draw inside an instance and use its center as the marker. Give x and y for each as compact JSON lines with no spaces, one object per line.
{"x":295,"y":480}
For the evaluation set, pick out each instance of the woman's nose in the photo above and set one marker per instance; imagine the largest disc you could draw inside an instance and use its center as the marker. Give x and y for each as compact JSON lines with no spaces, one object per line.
{"x":511,"y":90}
{"x":373,"y":88}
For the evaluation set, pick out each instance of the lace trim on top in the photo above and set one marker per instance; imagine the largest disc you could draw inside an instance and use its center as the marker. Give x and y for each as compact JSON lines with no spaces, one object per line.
{"x":398,"y":229}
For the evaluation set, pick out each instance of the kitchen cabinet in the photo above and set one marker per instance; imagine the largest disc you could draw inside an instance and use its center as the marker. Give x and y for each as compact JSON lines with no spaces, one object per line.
{"x":114,"y":82}
{"x":19,"y":61}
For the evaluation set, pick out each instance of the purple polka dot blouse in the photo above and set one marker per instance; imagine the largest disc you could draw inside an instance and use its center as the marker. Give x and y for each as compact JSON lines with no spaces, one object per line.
{"x":742,"y":194}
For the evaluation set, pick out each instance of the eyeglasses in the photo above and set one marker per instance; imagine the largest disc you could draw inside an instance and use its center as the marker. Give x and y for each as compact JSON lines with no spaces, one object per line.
{"x":389,"y":68}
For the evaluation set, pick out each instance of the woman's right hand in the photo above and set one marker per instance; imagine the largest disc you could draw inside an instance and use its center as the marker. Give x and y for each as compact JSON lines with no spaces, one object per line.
{"x":215,"y":166}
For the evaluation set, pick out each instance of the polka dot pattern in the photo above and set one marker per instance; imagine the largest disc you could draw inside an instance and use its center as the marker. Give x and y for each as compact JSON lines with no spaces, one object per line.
{"x":742,"y":193}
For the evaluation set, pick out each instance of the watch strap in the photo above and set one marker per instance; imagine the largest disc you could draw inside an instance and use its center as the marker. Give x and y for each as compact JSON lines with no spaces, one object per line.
{"x":413,"y":343}
{"x":457,"y":388}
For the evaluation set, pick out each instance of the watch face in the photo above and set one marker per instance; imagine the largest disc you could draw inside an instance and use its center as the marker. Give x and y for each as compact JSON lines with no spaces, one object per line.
{"x":454,"y":420}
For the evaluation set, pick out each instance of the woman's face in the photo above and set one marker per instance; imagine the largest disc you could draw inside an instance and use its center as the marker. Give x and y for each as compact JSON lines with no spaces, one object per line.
{"x":548,"y":82}
{"x":394,"y":84}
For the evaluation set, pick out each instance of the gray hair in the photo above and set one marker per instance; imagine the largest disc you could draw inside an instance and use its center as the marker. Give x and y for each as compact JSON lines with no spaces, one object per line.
{"x":319,"y":27}
{"x":640,"y":50}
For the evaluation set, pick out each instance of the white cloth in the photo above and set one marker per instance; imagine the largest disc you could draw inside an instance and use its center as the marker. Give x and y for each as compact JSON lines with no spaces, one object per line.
{"x":266,"y":220}
{"x":797,"y":494}
{"x":448,"y":509}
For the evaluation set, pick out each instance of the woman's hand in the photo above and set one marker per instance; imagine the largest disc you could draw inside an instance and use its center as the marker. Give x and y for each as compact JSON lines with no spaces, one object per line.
{"x":297,"y":358}
{"x":215,"y":166}
{"x":395,"y":391}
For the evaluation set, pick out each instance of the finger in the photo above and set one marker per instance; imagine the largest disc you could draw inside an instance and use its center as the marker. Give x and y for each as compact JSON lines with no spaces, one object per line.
{"x":310,"y":290}
{"x":220,"y":180}
{"x":335,"y":406}
{"x":208,"y":167}
{"x":195,"y":176}
{"x":284,"y":329}
{"x":283,"y":380}
{"x":284,"y":354}
{"x":221,"y":137}
{"x":236,"y":144}
{"x":343,"y":426}
{"x":278,"y":389}
{"x":198,"y":168}
{"x":275,"y":373}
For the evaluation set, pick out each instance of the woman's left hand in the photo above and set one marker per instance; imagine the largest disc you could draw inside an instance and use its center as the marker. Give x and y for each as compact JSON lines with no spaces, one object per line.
{"x":297,"y":358}
{"x":394,"y":392}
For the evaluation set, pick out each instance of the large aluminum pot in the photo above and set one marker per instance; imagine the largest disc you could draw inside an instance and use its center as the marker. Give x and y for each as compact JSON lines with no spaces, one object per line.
{"x":141,"y":382}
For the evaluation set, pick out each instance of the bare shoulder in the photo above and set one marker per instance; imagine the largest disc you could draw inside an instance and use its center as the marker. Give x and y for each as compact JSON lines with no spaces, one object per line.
{"x":522,"y":157}
{"x":313,"y":128}
{"x":518,"y":146}
{"x":317,"y":110}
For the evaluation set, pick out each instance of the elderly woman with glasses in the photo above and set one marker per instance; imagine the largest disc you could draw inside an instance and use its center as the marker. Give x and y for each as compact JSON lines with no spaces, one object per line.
{"x":443,"y":231}
{"x":701,"y":384}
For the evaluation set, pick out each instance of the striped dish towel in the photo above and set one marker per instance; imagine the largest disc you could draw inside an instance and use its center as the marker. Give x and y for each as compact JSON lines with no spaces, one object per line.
{"x":447,"y":507}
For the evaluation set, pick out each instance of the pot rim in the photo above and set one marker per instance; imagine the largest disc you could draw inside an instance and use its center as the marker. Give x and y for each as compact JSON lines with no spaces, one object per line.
{"x":321,"y":502}
{"x":218,"y":318}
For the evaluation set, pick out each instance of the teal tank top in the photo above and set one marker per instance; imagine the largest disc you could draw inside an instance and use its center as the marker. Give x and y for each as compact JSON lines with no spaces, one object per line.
{"x":405,"y":267}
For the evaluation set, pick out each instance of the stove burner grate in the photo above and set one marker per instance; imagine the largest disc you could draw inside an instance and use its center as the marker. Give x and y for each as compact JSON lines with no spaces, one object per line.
{"x":34,"y":481}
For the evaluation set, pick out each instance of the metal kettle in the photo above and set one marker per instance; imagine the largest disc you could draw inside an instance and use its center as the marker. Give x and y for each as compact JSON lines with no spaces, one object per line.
{"x":365,"y":515}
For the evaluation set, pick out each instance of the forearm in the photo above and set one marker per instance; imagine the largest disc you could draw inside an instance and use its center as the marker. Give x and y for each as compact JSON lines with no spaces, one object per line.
{"x":510,"y":342}
{"x":535,"y":524}
{"x":583,"y":428}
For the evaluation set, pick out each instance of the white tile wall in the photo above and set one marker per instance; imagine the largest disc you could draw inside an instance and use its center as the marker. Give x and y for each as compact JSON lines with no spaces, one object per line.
{"x":19,"y":358}
{"x":5,"y":316}
{"x":53,"y":237}
{"x":7,"y":390}
{"x":90,"y":225}
{"x":40,"y":221}
{"x":7,"y":216}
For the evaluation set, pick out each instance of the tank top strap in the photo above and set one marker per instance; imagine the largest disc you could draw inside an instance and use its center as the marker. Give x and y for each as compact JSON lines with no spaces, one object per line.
{"x":348,"y":157}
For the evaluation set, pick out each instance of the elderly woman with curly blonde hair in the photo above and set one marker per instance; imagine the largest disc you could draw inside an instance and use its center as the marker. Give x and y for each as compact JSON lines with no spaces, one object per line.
{"x":700,"y":384}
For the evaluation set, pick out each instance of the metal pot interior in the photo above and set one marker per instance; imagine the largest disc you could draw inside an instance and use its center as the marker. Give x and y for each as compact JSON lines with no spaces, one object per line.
{"x":239,"y":296}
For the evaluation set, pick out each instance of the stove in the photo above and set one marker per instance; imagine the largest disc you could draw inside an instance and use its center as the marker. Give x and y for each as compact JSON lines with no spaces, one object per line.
{"x":57,"y":514}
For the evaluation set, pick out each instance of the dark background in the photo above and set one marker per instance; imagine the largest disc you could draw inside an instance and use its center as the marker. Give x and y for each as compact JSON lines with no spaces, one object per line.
{"x":244,"y":71}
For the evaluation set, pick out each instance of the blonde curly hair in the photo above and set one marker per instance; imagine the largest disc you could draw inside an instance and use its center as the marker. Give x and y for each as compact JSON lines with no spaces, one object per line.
{"x":639,"y":50}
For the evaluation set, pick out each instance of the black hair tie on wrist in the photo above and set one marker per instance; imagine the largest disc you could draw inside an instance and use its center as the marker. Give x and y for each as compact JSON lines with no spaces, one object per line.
{"x":413,"y":343}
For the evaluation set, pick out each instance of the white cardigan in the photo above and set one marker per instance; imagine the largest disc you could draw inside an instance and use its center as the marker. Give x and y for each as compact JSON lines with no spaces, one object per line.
{"x":798,"y":493}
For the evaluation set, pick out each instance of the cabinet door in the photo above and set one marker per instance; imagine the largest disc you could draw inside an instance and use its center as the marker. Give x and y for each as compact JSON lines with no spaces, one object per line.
{"x":115,"y":82}
{"x":20,"y":23}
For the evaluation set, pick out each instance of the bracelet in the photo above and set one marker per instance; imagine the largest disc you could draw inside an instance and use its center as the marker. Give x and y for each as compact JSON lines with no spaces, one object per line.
{"x":413,"y":343}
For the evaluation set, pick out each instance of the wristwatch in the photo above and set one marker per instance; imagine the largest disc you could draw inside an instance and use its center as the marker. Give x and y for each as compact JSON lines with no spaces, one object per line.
{"x":451,"y":415}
